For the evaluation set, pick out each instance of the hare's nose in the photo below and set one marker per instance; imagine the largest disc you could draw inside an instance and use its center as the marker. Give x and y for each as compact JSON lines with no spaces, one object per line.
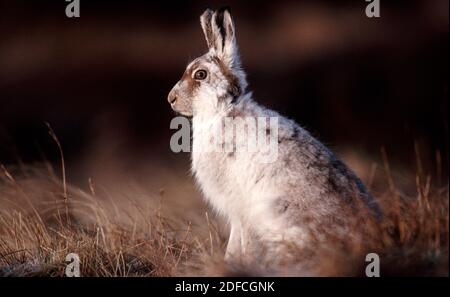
{"x":172,"y":97}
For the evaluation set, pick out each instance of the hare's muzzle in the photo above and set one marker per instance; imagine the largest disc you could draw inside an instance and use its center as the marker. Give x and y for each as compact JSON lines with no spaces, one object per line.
{"x":172,"y":97}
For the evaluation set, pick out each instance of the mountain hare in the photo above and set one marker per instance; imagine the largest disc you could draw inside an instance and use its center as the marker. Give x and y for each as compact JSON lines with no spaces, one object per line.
{"x":303,"y":200}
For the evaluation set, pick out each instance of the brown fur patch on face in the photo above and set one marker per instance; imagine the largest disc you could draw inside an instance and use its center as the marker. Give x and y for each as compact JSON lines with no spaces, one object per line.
{"x":234,"y":88}
{"x":192,"y":84}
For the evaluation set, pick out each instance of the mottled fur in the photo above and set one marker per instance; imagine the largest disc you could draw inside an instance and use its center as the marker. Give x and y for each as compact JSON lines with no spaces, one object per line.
{"x":268,"y":206}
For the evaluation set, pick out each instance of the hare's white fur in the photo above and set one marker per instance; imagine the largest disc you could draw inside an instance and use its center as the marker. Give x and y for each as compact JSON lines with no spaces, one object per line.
{"x":292,"y":200}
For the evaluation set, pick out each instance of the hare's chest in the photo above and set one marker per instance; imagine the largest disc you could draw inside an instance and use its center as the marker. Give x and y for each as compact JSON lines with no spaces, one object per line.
{"x":214,"y":171}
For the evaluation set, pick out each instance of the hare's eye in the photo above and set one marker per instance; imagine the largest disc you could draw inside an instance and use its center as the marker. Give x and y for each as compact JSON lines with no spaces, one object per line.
{"x":200,"y":74}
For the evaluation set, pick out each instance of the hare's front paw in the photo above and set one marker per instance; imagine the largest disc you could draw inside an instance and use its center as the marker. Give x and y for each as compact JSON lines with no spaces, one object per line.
{"x":234,"y":247}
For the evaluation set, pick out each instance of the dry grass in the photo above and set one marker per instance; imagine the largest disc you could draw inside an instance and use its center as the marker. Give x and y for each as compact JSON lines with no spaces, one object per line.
{"x":42,"y":219}
{"x":113,"y":237}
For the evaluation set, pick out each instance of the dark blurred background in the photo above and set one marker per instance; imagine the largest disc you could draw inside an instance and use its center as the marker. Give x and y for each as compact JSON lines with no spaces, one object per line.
{"x":101,"y":80}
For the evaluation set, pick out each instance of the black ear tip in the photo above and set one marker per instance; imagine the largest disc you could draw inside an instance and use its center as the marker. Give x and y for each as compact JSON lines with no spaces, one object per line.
{"x":224,"y":8}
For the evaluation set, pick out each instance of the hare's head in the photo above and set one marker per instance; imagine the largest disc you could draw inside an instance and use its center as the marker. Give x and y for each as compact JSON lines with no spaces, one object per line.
{"x":215,"y":79}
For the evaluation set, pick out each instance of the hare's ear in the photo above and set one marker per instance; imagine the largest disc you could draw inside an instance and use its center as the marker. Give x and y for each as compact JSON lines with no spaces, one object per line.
{"x":230,"y":53}
{"x":219,"y":31}
{"x":205,"y":21}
